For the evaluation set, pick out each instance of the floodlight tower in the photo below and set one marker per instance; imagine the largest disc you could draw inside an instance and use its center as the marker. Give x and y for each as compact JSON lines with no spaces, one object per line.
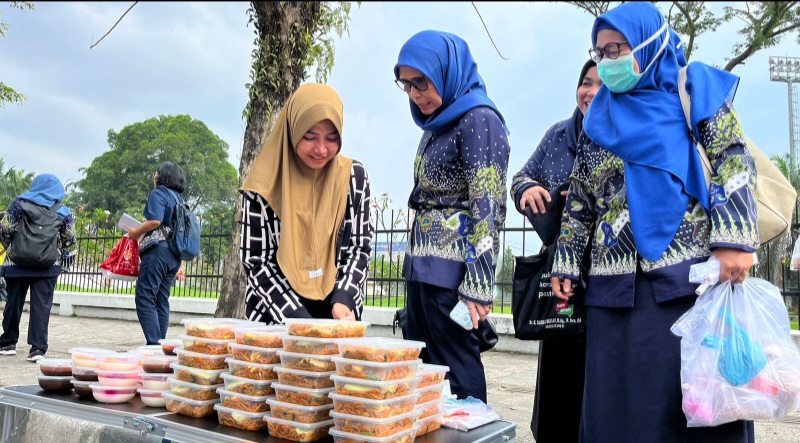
{"x":787,"y":69}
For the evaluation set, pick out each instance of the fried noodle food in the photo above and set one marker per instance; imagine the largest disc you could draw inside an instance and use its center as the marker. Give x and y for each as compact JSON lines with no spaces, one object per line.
{"x":241,"y":421}
{"x":242,"y":387}
{"x":243,"y":404}
{"x":304,"y":381}
{"x":429,"y":426}
{"x":429,"y":395}
{"x":303,"y":398}
{"x":190,"y":410}
{"x":374,"y":429}
{"x":293,"y":433}
{"x":265,"y":358}
{"x":295,"y":414}
{"x":254,"y":373}
{"x":374,"y":411}
{"x":341,"y":330}
{"x":191,"y":377}
{"x":195,"y":394}
{"x":201,"y":363}
{"x":311,"y":347}
{"x":392,"y":391}
{"x":260,"y":339}
{"x":206,"y":348}
{"x":206,"y":330}
{"x":430,"y":379}
{"x":376,"y":374}
{"x":369,"y":353}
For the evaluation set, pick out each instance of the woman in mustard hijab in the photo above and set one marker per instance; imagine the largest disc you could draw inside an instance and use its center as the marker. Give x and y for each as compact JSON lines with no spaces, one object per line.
{"x":306,"y":227}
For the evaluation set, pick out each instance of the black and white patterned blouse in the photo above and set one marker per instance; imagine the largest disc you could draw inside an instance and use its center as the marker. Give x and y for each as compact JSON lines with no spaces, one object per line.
{"x":269,"y":297}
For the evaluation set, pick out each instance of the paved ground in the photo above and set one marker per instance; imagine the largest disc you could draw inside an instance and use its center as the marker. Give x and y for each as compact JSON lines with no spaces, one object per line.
{"x":510,"y":377}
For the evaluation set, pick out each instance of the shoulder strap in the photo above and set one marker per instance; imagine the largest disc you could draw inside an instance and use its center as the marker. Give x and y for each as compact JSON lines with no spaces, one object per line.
{"x":686,"y":102}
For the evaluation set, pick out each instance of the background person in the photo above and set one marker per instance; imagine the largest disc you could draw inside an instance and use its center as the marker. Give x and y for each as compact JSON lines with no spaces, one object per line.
{"x":459,"y":196}
{"x":306,"y":226}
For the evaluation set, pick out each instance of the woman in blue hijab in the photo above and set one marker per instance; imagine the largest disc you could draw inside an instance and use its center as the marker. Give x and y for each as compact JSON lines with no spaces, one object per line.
{"x":42,"y":203}
{"x":459,"y":196}
{"x":638,"y":194}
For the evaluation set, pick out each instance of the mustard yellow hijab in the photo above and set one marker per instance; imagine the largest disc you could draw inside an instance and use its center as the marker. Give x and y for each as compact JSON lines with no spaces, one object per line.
{"x":310,"y":203}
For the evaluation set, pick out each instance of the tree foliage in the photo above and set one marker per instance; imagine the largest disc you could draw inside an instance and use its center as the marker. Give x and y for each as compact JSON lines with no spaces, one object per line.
{"x":13,"y":182}
{"x":505,"y":274}
{"x":121,"y":178}
{"x":763,"y":24}
{"x":7,"y":93}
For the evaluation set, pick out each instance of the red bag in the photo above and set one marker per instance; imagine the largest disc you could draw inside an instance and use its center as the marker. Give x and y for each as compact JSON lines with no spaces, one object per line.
{"x":123,"y":262}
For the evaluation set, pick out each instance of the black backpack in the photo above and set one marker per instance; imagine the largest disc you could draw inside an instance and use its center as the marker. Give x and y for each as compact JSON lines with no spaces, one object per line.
{"x":35,"y":245}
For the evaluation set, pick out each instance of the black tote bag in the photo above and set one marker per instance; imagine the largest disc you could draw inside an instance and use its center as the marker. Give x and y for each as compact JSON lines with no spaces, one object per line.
{"x":537,"y":313}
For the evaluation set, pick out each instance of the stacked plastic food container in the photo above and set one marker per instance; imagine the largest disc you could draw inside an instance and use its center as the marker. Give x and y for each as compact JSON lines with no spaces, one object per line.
{"x":114,"y":377}
{"x":376,"y":391}
{"x":156,"y":371}
{"x":56,"y":375}
{"x":300,"y":411}
{"x":248,"y":384}
{"x":430,"y":403}
{"x":201,"y":363}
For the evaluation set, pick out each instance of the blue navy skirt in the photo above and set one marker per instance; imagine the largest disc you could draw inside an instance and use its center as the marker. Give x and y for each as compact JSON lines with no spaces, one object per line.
{"x":632,"y":389}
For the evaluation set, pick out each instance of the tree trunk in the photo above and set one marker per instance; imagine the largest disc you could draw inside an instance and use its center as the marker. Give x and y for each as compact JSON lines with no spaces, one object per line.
{"x":284,"y":39}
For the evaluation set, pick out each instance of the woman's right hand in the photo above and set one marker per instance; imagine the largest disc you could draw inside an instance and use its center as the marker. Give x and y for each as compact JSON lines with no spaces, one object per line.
{"x":562,"y":289}
{"x":535,"y":196}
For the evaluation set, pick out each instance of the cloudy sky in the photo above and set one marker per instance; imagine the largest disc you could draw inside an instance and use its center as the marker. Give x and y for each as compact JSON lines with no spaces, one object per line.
{"x":194,"y":58}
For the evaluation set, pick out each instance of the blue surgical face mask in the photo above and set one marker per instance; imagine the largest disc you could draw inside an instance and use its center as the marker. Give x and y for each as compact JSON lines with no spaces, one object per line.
{"x":618,"y":75}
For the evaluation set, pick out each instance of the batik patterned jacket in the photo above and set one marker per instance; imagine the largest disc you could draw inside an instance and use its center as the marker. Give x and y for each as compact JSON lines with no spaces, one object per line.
{"x":597,"y":212}
{"x":269,"y":297}
{"x":460,"y":198}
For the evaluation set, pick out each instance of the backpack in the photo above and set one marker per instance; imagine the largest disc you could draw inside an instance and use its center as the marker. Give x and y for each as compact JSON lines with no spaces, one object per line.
{"x":184,"y":238}
{"x":35,"y":245}
{"x":775,"y":196}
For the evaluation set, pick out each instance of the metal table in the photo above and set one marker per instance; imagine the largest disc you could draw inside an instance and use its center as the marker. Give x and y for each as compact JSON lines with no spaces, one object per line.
{"x":176,"y":428}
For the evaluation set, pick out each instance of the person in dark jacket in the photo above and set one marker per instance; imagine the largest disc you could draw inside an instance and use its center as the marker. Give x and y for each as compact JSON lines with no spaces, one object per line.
{"x":560,"y":370}
{"x":46,"y":191}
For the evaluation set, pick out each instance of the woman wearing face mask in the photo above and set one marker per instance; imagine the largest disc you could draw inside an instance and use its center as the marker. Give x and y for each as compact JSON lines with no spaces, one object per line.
{"x":559,"y":377}
{"x":459,"y":196}
{"x":306,"y":226}
{"x":638,"y":194}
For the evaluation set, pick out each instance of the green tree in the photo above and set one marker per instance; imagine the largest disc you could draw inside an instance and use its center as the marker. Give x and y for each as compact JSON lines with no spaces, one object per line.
{"x":13,"y":182}
{"x":763,"y":24}
{"x":291,"y":37}
{"x":7,"y":93}
{"x":121,"y":178}
{"x":505,"y":275}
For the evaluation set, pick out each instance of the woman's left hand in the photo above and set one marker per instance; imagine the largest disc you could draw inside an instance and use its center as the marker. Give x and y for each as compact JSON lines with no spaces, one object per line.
{"x":733,"y":264}
{"x":342,"y":312}
{"x":181,"y":275}
{"x":478,"y":312}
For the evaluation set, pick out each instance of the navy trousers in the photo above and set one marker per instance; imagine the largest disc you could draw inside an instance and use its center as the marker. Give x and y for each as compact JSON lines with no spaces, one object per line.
{"x":157,"y":269}
{"x":446,"y":343}
{"x":41,"y":303}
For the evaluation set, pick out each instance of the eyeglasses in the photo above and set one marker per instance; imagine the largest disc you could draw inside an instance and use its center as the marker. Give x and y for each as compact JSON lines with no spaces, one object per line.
{"x":611,"y":51}
{"x":420,"y":83}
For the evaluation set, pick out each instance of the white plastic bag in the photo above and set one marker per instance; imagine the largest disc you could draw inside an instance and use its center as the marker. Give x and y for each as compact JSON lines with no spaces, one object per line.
{"x":738,"y":361}
{"x":795,"y":264}
{"x":468,"y":413}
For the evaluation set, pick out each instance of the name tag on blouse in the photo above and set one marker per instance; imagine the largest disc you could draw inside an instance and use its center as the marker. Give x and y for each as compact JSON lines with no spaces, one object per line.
{"x":315,"y":274}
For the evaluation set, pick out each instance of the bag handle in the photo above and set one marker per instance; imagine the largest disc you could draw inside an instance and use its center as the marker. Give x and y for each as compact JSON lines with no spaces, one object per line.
{"x":686,"y":104}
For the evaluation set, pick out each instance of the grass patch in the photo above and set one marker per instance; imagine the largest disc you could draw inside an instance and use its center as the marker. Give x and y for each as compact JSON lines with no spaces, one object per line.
{"x":794,"y":325}
{"x":176,"y":291}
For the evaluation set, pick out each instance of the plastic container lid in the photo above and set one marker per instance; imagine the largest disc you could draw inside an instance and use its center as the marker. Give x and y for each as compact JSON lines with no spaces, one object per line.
{"x":189,"y":401}
{"x":91,"y":351}
{"x":55,"y":362}
{"x":335,"y":433}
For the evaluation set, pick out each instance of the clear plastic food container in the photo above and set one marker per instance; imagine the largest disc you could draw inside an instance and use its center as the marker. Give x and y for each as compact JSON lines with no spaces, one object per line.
{"x":149,"y":350}
{"x":365,"y":407}
{"x":430,"y":408}
{"x":310,"y":345}
{"x":193,"y":390}
{"x":55,"y":382}
{"x":155,"y":381}
{"x":430,"y":374}
{"x":235,"y":418}
{"x":255,"y":354}
{"x":261,"y":336}
{"x":307,"y":362}
{"x":113,"y":394}
{"x":83,"y":388}
{"x":430,"y":393}
{"x":87,"y":357}
{"x":429,"y":424}
{"x":302,"y":396}
{"x":248,"y":386}
{"x":83,"y":373}
{"x":216,"y":328}
{"x":294,"y":431}
{"x":201,"y":361}
{"x":243,"y":402}
{"x":153,"y":397}
{"x":375,"y":390}
{"x":189,"y":407}
{"x":304,"y":379}
{"x":378,"y":427}
{"x":325,"y":328}
{"x":158,"y":363}
{"x":378,"y":371}
{"x":119,"y":361}
{"x":299,"y":413}
{"x":199,"y":376}
{"x":381,"y":349}
{"x":118,"y":378}
{"x":346,"y":437}
{"x":55,"y":366}
{"x":251,"y":370}
{"x":210,"y":346}
{"x":168,"y":345}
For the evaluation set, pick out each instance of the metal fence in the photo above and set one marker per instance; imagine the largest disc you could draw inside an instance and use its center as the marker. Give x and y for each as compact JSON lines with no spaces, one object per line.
{"x":385,"y":286}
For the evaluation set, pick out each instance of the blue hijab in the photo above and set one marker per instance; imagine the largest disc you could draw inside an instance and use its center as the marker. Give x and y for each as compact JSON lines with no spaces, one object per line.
{"x":646,"y":127}
{"x":46,"y":190}
{"x":445,"y":59}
